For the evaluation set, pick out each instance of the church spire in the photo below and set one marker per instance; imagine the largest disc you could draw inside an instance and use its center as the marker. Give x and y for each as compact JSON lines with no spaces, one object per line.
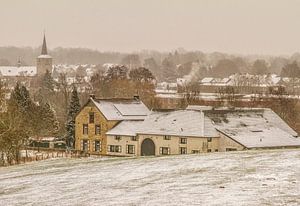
{"x":44,"y":47}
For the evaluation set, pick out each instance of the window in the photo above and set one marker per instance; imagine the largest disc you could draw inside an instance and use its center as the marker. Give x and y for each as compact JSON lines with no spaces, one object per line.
{"x":183,"y":150}
{"x":85,"y":145}
{"x":130,"y":149}
{"x":167,"y":137}
{"x":97,"y":129}
{"x":216,"y":150}
{"x":118,"y":137}
{"x":208,"y":150}
{"x":209,"y":139}
{"x":115,"y":148}
{"x":91,"y":118}
{"x":85,"y":129}
{"x":230,"y":149}
{"x":164,"y":150}
{"x":183,"y":140}
{"x":195,"y":151}
{"x":134,"y":138}
{"x":97,"y":146}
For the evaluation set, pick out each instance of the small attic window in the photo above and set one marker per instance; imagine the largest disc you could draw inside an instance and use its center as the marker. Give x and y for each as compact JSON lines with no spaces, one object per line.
{"x":256,"y":130}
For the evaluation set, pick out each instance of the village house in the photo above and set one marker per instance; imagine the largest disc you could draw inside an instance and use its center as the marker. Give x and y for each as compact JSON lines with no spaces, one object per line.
{"x":123,"y":127}
{"x":98,"y":116}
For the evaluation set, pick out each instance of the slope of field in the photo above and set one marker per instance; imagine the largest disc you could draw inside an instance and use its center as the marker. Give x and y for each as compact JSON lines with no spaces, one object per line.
{"x":237,"y":178}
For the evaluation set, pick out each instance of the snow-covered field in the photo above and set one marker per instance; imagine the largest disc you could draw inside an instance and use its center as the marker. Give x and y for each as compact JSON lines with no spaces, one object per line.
{"x":237,"y":178}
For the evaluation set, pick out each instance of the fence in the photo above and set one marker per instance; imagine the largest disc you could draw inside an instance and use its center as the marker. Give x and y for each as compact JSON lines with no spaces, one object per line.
{"x":37,"y":154}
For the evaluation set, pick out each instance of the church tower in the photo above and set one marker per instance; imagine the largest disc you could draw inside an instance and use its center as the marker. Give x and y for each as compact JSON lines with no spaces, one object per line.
{"x":44,"y":61}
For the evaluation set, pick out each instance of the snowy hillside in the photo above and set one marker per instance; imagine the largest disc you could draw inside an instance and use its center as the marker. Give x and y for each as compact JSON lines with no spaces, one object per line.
{"x":238,"y":178}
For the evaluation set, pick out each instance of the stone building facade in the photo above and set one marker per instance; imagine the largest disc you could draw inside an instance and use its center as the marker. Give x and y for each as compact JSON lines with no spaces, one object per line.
{"x":123,"y":127}
{"x":99,"y":116}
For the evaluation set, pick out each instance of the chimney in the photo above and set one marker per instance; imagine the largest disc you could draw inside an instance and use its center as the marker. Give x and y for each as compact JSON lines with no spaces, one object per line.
{"x":92,"y":96}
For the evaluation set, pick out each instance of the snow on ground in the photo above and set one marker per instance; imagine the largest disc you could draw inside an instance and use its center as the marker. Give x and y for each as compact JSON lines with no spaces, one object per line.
{"x":235,"y":178}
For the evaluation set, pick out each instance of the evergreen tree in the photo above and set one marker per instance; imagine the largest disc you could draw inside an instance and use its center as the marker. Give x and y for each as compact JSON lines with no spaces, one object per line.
{"x":48,"y":121}
{"x":48,"y":82}
{"x":74,"y":108}
{"x":15,"y":96}
{"x":16,"y":123}
{"x":25,"y":101}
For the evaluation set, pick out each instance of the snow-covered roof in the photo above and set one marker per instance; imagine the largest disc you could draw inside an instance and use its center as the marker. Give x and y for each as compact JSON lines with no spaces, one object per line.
{"x":12,"y":71}
{"x":44,"y":56}
{"x":127,"y":128}
{"x":50,"y":139}
{"x":121,"y":109}
{"x":254,"y":128}
{"x":260,"y":138}
{"x":165,"y":91}
{"x":207,"y":80}
{"x":178,"y":123}
{"x":251,"y":127}
{"x":243,"y":80}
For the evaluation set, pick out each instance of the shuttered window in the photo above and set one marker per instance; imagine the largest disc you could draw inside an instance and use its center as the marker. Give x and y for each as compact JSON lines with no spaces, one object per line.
{"x":114,"y":148}
{"x":97,"y":145}
{"x":85,"y":145}
{"x":85,"y":129}
{"x":164,"y":150}
{"x":183,"y":150}
{"x":183,"y":140}
{"x":130,"y":149}
{"x":134,"y":138}
{"x":97,"y":129}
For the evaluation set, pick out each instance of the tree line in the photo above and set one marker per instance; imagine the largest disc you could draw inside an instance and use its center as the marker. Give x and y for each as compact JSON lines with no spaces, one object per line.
{"x":166,"y":66}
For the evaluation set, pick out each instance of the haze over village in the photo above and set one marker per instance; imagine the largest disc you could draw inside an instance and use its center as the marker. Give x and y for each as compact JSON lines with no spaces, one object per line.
{"x":149,"y":102}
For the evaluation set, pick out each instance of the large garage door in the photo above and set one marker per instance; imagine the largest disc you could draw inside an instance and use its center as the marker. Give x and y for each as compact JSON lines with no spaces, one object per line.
{"x":147,"y":148}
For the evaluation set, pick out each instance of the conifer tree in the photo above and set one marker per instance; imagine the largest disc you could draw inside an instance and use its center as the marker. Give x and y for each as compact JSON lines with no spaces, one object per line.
{"x":74,"y":108}
{"x":15,"y":125}
{"x":48,"y":82}
{"x":15,"y":96}
{"x":48,"y":121}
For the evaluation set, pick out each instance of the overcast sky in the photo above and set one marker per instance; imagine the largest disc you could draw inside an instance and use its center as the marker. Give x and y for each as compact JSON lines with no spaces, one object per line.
{"x":234,"y":26}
